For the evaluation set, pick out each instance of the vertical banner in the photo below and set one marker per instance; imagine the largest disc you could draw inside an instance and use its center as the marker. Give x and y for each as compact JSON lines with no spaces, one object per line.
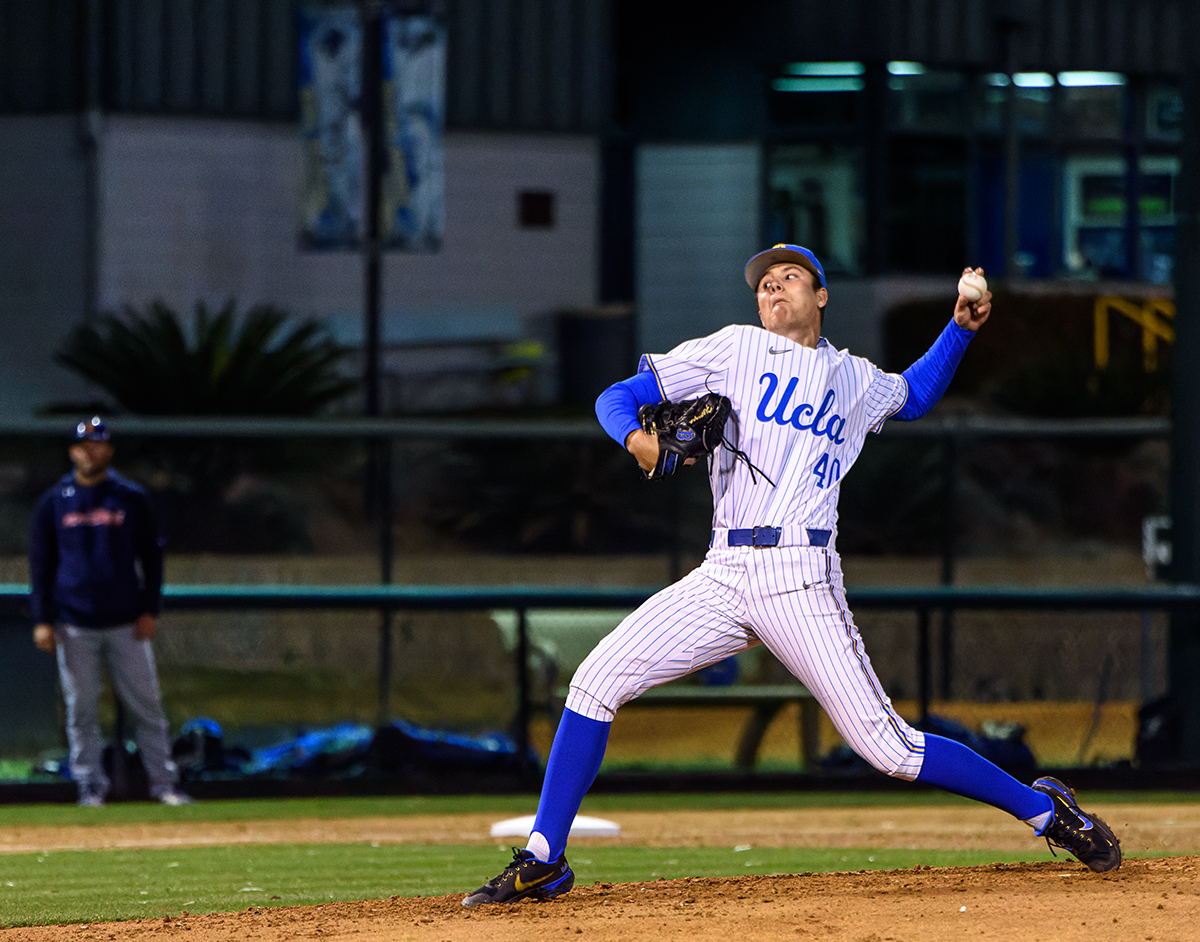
{"x":412,"y":214}
{"x":332,"y":190}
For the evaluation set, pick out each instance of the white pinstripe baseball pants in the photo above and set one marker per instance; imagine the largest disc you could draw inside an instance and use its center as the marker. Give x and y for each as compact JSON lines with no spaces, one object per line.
{"x":792,"y":599}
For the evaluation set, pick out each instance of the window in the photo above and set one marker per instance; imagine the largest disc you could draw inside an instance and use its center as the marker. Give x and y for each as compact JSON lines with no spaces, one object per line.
{"x":1164,"y":114}
{"x":817,"y":94}
{"x":1033,"y":93}
{"x":815,"y":200}
{"x":535,"y":209}
{"x":1091,"y":112}
{"x":1094,"y":217}
{"x":927,"y":216}
{"x":926,"y":100}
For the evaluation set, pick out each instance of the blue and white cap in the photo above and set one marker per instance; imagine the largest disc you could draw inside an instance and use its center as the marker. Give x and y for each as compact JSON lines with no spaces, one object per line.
{"x":93,"y":430}
{"x":757,"y":266}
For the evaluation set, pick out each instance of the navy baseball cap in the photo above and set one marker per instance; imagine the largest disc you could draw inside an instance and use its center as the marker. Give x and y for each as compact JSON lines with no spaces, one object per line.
{"x":93,"y":430}
{"x":757,"y":266}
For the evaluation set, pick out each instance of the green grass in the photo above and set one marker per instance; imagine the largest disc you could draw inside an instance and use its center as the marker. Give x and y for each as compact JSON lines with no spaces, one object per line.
{"x":90,"y":886}
{"x":273,"y":809}
{"x":95,"y":886}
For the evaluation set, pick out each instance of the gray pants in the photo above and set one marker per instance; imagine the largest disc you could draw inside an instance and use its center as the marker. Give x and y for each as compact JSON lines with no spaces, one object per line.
{"x":83,"y":653}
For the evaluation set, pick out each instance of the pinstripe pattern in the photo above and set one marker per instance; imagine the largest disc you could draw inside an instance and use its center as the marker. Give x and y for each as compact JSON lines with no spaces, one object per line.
{"x":792,"y":600}
{"x":802,"y":416}
{"x":792,"y":408}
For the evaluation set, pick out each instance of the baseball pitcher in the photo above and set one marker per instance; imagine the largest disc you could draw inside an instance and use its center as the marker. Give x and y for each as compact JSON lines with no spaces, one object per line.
{"x":797,"y":416}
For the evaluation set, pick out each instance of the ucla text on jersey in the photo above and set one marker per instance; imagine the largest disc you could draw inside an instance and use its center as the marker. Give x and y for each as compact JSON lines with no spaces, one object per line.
{"x":833,"y":427}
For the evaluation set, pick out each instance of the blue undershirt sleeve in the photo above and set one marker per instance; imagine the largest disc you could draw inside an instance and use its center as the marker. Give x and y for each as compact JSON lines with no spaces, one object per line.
{"x":617,"y":407}
{"x":928,"y":378}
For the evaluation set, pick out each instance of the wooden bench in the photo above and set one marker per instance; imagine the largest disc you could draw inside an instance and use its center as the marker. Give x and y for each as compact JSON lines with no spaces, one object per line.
{"x":766,"y":700}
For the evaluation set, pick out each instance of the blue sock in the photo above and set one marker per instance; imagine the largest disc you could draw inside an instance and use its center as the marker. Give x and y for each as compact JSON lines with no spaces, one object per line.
{"x":574,"y":761}
{"x":954,"y":767}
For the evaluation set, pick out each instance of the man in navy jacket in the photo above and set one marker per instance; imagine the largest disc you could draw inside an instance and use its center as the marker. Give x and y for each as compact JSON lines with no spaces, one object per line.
{"x":95,"y":565}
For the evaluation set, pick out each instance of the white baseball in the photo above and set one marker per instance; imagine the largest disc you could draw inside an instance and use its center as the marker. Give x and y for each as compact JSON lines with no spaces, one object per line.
{"x":972,"y":286}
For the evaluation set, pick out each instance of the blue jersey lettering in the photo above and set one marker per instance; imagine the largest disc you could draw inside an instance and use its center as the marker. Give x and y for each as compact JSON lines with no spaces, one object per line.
{"x":834,"y":423}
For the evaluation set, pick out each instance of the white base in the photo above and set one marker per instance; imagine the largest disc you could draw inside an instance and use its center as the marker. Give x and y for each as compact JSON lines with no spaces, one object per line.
{"x":582,"y":826}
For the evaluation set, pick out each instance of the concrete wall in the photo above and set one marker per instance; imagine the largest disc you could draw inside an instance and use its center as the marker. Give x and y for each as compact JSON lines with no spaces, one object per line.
{"x":193,"y":209}
{"x":697,"y":223}
{"x":207,"y":210}
{"x":43,"y":257}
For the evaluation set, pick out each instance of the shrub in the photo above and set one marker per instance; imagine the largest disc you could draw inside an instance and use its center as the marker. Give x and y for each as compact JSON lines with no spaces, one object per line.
{"x":258,"y":364}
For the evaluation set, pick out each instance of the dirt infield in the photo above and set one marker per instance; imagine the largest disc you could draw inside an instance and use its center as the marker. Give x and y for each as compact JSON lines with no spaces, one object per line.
{"x":1155,"y":899}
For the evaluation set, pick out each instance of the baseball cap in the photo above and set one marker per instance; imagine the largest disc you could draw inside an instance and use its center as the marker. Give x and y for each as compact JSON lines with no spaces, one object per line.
{"x":757,"y":266}
{"x":93,"y":430}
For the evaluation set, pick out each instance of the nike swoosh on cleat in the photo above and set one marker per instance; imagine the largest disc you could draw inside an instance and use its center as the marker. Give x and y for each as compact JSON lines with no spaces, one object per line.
{"x":520,"y":886}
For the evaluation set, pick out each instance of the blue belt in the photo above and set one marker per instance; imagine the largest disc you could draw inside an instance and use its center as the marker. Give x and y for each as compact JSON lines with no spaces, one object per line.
{"x":769,"y":536}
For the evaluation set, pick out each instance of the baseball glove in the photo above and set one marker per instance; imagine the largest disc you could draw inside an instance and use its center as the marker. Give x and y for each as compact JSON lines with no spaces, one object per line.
{"x":692,"y":428}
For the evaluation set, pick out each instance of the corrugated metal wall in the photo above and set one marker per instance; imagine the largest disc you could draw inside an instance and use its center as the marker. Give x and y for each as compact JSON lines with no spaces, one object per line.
{"x":539,"y":65}
{"x":41,"y":56}
{"x":228,"y":57}
{"x":534,"y":64}
{"x":1136,"y":36}
{"x":528,"y":64}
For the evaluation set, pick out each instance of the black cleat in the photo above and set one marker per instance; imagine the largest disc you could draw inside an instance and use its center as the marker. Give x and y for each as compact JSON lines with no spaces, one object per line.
{"x":525,"y":878}
{"x":1083,"y":835}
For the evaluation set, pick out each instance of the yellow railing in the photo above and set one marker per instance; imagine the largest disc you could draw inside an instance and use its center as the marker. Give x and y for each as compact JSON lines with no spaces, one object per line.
{"x":1154,"y":316}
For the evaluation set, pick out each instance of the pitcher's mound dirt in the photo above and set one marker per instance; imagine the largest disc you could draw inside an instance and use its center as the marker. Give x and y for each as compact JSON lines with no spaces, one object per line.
{"x":1152,"y":899}
{"x":1155,"y":898}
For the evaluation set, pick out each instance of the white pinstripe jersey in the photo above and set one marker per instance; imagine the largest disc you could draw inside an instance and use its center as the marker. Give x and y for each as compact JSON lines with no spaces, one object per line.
{"x":800,"y":414}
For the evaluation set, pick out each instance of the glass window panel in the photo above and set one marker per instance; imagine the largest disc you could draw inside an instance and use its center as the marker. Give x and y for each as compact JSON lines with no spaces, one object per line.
{"x":990,"y":95}
{"x":815,"y":200}
{"x":1033,"y":109}
{"x":1094,"y":208}
{"x":1158,"y":253}
{"x":927,"y":204}
{"x":1092,"y":112}
{"x":1103,"y":196}
{"x":807,"y":109}
{"x":928,"y":101}
{"x":1164,"y":114}
{"x":1155,"y":197}
{"x":1032,"y":105}
{"x":817,"y":94}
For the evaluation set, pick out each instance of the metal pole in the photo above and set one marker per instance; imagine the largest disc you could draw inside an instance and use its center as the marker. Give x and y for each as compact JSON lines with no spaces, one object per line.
{"x":372,"y":121}
{"x":949,"y":521}
{"x":89,"y":137}
{"x":386,"y":553}
{"x":1012,"y":155}
{"x":1185,"y":400}
{"x":1131,"y":132}
{"x":878,"y":169}
{"x":923,"y":671}
{"x":378,"y":484}
{"x":521,"y":733}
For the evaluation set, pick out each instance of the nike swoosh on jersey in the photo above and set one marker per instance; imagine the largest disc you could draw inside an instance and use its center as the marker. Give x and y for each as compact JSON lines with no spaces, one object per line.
{"x":784,"y":350}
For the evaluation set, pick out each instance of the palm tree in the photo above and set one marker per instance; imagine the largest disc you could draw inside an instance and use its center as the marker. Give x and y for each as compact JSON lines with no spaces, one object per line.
{"x":224,"y":365}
